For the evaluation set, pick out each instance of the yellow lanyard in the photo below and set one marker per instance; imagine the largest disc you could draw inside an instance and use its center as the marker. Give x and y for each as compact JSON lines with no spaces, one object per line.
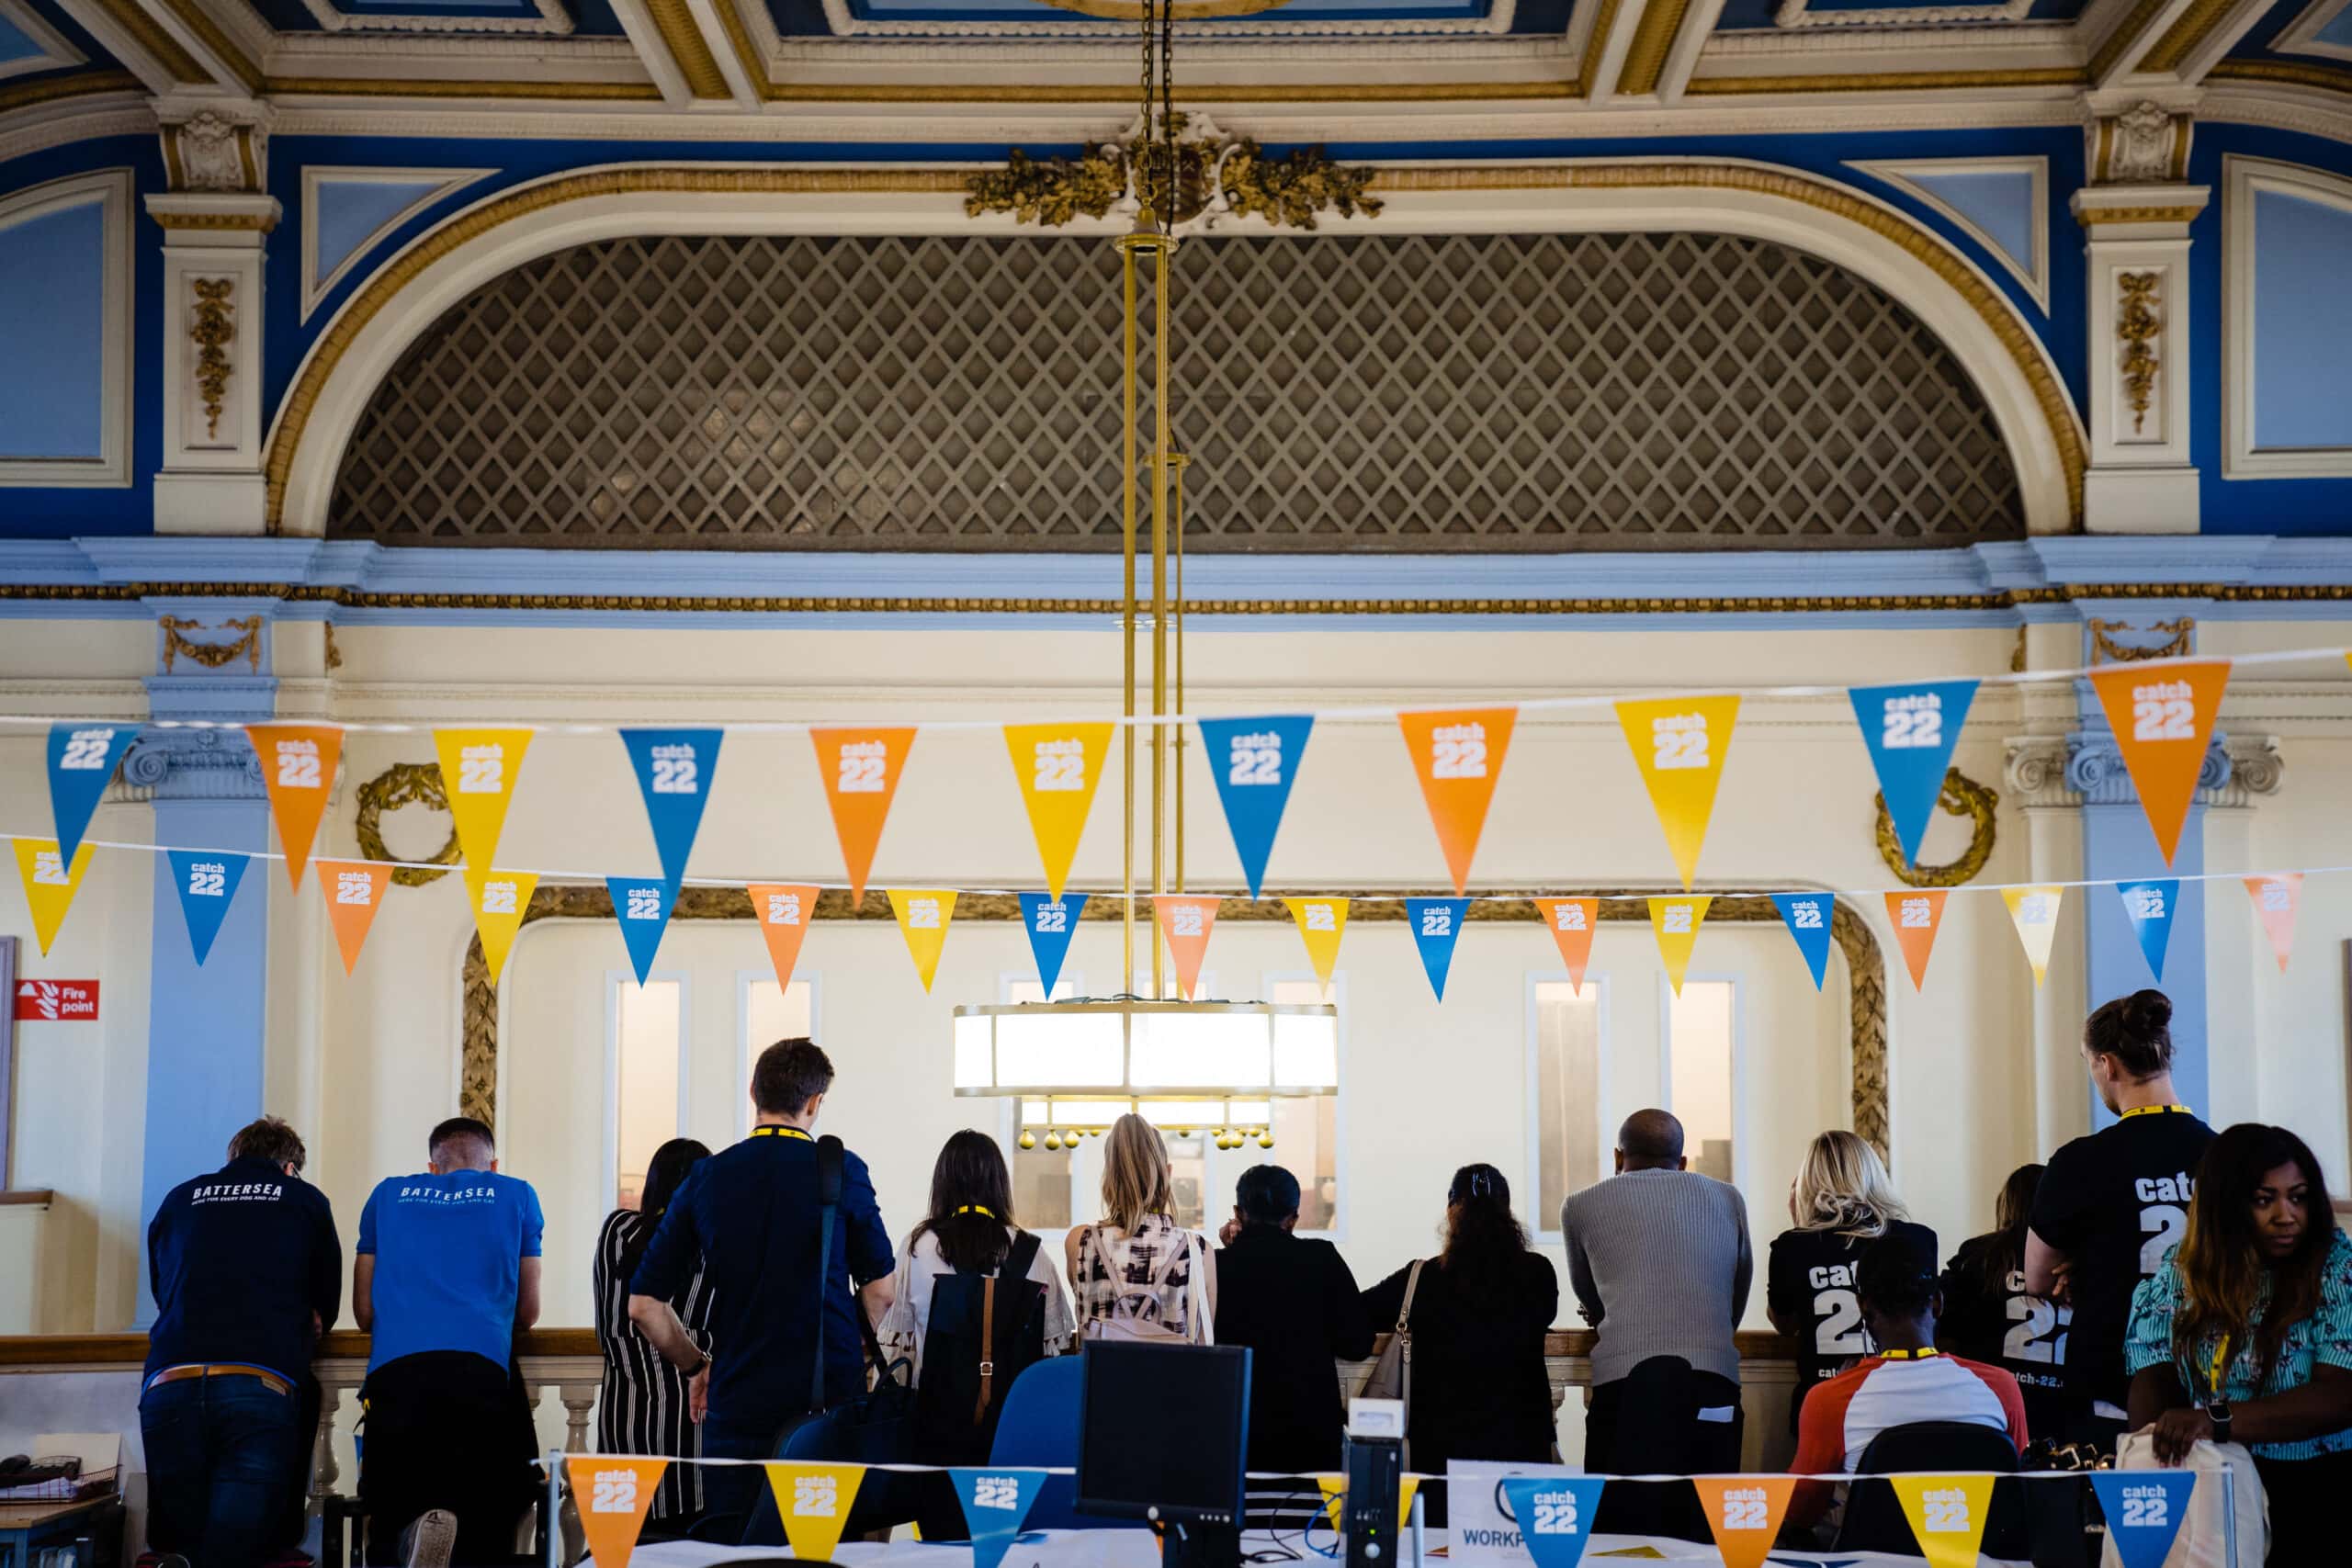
{"x":977,"y":1209}
{"x":2152,"y":1110}
{"x":1921,"y":1354}
{"x":782,"y":1133}
{"x":2221,"y":1365}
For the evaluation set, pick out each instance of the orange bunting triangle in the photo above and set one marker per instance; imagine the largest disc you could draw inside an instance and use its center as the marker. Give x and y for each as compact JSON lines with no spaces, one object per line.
{"x":1058,"y":767}
{"x":860,"y":768}
{"x":1917,"y":918}
{"x":478,"y":769}
{"x":49,"y":883}
{"x":613,"y":1496}
{"x":1458,"y":754}
{"x":1184,"y":922}
{"x":1676,"y":922}
{"x":2277,"y":901}
{"x":1679,"y":743}
{"x":1744,"y":1512}
{"x":2163,"y":717}
{"x":354,"y":890}
{"x":1320,"y":922}
{"x":1571,"y":923}
{"x":499,"y":899}
{"x":298,"y":762}
{"x":783,"y":910}
{"x":923,"y":913}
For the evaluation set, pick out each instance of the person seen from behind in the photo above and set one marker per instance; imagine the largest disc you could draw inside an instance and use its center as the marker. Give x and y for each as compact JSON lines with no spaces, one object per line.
{"x":646,"y":1406}
{"x":1990,"y":1316}
{"x":1136,"y":1273}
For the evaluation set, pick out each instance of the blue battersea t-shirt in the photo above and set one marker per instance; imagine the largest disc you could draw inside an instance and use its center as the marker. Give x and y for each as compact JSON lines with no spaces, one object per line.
{"x":449,"y":1253}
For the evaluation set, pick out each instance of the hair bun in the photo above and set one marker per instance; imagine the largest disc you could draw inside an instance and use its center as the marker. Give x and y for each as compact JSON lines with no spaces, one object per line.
{"x":2149,"y":1011}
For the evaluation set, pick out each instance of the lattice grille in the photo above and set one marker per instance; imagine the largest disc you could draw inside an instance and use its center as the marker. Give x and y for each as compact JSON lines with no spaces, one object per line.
{"x":1404,"y":392}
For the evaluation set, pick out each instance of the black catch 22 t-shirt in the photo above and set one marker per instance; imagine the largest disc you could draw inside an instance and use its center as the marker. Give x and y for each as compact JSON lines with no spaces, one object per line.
{"x":1809,"y":1283}
{"x":2115,"y":1202}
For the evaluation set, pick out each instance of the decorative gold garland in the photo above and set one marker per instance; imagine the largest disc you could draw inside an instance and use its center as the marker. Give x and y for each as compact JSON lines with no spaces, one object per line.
{"x":478,"y":1092}
{"x":1960,"y":797}
{"x":2104,"y":649}
{"x":410,"y":783}
{"x":211,"y":655}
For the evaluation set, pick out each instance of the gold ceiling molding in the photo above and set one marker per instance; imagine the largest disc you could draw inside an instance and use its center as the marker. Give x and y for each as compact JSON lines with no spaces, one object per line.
{"x":160,"y":45}
{"x":386,"y":87}
{"x":1596,"y":44}
{"x":1652,"y":36}
{"x":2325,"y":78}
{"x":1183,"y":10}
{"x":192,"y":16}
{"x":684,"y":42}
{"x":385,"y":286}
{"x":739,"y":40}
{"x":2191,"y":27}
{"x":2092,"y":217}
{"x":1887,"y":81}
{"x":75,"y":84}
{"x":1866,"y":1015}
{"x":2124,"y":34}
{"x":1205,"y":94}
{"x":263,"y":222}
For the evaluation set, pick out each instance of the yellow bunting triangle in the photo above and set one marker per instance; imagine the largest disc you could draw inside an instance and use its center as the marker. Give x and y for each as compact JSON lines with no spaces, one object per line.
{"x":1058,"y":767}
{"x":2034,"y":912}
{"x":478,"y":769}
{"x":498,"y":899}
{"x":1676,"y":921}
{"x":1678,"y":744}
{"x":923,"y":913}
{"x":612,"y":1495}
{"x":814,"y":1500}
{"x":1335,"y":1488}
{"x":1947,"y":1515}
{"x":298,"y":770}
{"x":49,"y":883}
{"x":1320,"y":923}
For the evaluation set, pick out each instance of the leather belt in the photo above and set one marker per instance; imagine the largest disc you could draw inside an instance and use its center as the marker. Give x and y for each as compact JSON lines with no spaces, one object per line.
{"x":270,"y":1380}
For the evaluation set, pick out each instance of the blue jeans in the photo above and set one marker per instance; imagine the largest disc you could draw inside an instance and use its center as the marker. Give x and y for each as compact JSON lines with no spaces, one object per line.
{"x":220,"y":1467}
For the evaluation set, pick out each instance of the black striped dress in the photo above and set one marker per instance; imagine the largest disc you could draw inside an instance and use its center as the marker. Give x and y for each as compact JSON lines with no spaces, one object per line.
{"x":644,"y":1409}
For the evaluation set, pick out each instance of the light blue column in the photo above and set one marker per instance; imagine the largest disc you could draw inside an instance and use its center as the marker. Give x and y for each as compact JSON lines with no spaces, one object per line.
{"x":206,"y":1022}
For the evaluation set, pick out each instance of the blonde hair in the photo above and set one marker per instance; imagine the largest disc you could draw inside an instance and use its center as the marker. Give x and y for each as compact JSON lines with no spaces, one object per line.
{"x":1843,"y":1187}
{"x":1134,"y":1174}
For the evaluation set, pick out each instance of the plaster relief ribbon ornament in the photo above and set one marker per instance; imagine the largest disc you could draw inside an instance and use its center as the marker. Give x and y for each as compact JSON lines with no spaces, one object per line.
{"x":1947,"y":1515}
{"x":1185,"y":920}
{"x":82,"y":761}
{"x":783,"y":910}
{"x":499,"y":900}
{"x":1458,"y":754}
{"x":2163,"y":719}
{"x":2277,"y":901}
{"x":642,"y":905}
{"x":814,"y":1501}
{"x":860,"y":770}
{"x":1911,"y":731}
{"x":1058,"y":767}
{"x":1680,"y":744}
{"x":50,"y":881}
{"x":674,"y":771}
{"x":297,"y":764}
{"x":1321,"y":923}
{"x":208,"y":881}
{"x":354,"y":890}
{"x":2034,"y":912}
{"x":923,"y":913}
{"x":1571,"y":922}
{"x":1050,"y":923}
{"x":1743,"y":1512}
{"x":614,"y":1497}
{"x":1554,"y":1515}
{"x":1675,"y":922}
{"x":478,"y":769}
{"x":1807,"y":918}
{"x":1255,"y":761}
{"x":1436,"y":925}
{"x":1917,"y":918}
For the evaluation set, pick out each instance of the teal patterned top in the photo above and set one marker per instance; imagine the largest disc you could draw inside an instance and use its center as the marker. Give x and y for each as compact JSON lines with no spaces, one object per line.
{"x":2325,"y":1337}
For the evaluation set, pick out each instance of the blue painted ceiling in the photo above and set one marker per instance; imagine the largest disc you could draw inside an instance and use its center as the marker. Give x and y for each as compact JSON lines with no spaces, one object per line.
{"x":2261,"y":40}
{"x":72,"y":31}
{"x":806,"y":19}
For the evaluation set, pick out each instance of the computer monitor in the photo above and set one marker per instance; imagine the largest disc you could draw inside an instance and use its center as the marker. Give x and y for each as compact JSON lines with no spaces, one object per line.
{"x":1163,"y":1434}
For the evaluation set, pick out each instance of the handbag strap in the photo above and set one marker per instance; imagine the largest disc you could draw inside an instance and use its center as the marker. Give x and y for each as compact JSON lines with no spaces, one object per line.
{"x":1405,"y":1308}
{"x":1203,"y":1323}
{"x":829,"y":1202}
{"x":987,"y":1349}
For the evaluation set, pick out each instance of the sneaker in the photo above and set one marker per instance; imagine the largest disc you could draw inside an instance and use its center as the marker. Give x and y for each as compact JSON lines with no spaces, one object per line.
{"x":429,"y":1539}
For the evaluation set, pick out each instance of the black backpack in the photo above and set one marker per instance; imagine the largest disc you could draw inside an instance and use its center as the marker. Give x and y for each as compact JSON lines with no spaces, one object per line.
{"x":985,"y":1330}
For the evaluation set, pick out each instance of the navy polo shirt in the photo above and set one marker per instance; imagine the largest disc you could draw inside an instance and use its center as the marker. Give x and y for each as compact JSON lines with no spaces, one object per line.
{"x":750,"y":1213}
{"x":240,"y":1259}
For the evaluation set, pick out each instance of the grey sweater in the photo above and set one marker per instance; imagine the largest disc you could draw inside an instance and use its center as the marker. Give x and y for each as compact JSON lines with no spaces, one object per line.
{"x":1659,"y":1263}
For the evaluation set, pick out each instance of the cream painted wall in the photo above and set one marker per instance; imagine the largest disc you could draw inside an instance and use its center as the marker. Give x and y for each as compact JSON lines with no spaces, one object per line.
{"x":366,"y":1064}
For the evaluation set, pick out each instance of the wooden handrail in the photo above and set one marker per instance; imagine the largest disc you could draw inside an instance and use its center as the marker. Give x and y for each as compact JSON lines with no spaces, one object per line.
{"x":120,"y":1350}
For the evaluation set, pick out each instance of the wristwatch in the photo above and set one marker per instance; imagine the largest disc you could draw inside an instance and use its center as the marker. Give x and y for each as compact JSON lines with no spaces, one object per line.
{"x":2218,"y":1413}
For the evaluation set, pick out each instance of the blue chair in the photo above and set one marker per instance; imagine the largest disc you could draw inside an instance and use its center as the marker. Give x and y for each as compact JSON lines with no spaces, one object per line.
{"x":1039,"y":1428}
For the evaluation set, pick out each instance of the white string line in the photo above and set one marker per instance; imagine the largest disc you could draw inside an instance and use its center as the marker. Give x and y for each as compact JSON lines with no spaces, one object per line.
{"x":1148,"y":721}
{"x":1419,"y":1475}
{"x":1113,"y":895}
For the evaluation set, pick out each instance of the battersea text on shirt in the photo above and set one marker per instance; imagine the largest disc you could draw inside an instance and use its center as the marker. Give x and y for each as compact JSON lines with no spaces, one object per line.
{"x":448,"y":1254}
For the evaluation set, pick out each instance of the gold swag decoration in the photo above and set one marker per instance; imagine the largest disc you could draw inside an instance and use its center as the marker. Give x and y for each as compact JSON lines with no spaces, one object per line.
{"x":1218,"y":176}
{"x":1961,"y":796}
